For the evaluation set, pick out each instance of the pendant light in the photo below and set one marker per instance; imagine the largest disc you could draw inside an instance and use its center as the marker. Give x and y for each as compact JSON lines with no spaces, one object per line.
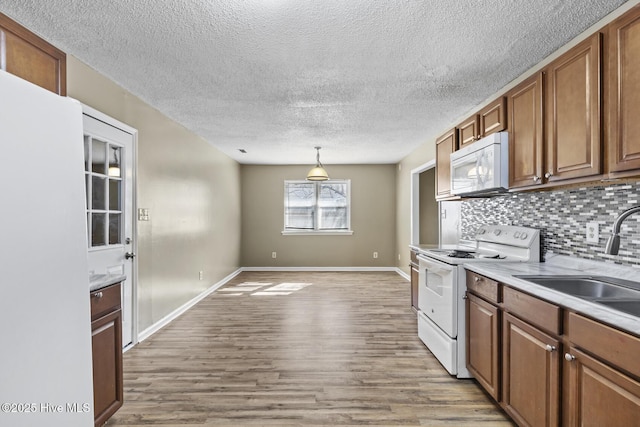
{"x":317,"y":173}
{"x":114,"y":168}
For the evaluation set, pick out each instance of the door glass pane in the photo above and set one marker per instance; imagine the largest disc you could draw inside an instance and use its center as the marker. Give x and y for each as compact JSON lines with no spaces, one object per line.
{"x":115,"y":158}
{"x":114,"y":194}
{"x":86,"y":191}
{"x":86,"y":152}
{"x":99,"y":156}
{"x":299,"y":205}
{"x":98,"y":192}
{"x":98,"y":229}
{"x":114,"y":228}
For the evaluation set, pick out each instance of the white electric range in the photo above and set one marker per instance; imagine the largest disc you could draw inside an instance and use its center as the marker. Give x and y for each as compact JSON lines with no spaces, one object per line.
{"x":442,"y":287}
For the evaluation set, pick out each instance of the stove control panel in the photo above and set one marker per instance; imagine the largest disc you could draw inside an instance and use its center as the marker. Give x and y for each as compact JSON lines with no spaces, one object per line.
{"x":507,"y":235}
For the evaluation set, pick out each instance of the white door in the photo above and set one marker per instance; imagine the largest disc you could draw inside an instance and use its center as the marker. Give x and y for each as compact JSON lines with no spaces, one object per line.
{"x":109,"y":176}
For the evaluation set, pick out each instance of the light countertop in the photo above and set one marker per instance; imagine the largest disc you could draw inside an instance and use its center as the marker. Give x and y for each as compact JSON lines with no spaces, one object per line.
{"x":504,"y":272}
{"x":99,"y":281}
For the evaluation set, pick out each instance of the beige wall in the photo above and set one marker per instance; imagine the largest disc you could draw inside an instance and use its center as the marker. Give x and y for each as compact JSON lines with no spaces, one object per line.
{"x":372,"y":219}
{"x":423,"y":154}
{"x":191,"y":189}
{"x":428,"y":208}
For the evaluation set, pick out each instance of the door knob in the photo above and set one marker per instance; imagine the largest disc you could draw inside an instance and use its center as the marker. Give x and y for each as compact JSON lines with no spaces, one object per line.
{"x":129,"y":255}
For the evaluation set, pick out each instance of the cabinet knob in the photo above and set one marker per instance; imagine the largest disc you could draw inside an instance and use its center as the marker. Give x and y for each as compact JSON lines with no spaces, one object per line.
{"x":98,"y":295}
{"x":548,"y":175}
{"x":476,"y":279}
{"x":551,"y":348}
{"x":569,"y":357}
{"x":536,"y":178}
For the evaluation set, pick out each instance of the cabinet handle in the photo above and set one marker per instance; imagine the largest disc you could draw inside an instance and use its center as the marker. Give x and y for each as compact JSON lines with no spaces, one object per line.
{"x":548,"y":175}
{"x":551,"y":348}
{"x":476,"y":279}
{"x":98,"y":295}
{"x":569,"y":357}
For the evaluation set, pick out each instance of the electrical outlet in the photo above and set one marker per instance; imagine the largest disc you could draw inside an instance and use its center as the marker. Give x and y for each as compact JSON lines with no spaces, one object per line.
{"x":201,"y":275}
{"x":274,"y":255}
{"x":593,"y":232}
{"x":375,"y":255}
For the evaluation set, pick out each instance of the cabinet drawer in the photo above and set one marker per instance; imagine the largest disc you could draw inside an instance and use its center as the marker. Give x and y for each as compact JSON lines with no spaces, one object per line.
{"x":414,"y":257}
{"x":483,"y":286}
{"x":617,"y":347}
{"x":540,"y":313}
{"x":105,"y":300}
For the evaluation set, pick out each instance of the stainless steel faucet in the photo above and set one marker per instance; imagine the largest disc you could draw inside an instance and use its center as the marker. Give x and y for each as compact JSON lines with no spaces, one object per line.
{"x":613,"y":244}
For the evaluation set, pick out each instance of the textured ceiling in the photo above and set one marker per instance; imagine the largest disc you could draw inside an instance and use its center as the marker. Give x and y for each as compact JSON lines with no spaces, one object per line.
{"x":367,"y":80}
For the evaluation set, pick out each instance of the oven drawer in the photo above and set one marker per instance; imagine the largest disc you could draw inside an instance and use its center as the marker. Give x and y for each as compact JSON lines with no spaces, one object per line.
{"x":443,"y":347}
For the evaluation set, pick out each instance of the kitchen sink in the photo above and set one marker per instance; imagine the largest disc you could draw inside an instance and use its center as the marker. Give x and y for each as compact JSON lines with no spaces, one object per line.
{"x":628,"y":306}
{"x":622,"y":295}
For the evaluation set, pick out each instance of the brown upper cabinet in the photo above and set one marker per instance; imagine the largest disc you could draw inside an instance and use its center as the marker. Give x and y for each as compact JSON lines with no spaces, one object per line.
{"x":524,"y":106}
{"x":469,"y":131}
{"x":491,"y":119}
{"x":624,"y":93}
{"x":445,"y":145}
{"x":573,"y":113}
{"x":29,"y":57}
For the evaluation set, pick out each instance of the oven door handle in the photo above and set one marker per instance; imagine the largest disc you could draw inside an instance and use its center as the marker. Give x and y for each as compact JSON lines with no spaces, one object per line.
{"x":434,"y":266}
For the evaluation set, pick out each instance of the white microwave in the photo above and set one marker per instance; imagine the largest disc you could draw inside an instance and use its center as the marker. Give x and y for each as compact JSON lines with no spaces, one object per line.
{"x":482,"y":168}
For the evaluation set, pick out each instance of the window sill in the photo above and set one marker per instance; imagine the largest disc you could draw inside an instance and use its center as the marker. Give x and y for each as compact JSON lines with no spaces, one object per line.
{"x":317,"y":233}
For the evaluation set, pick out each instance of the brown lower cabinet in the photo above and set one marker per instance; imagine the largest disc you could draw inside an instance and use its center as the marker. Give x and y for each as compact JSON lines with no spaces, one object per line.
{"x":414,"y":279}
{"x":546,"y":365}
{"x":531,"y":374}
{"x":106,"y":342}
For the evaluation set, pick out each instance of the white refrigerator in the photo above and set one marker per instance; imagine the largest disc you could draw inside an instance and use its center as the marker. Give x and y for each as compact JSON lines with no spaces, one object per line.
{"x":45,"y":355}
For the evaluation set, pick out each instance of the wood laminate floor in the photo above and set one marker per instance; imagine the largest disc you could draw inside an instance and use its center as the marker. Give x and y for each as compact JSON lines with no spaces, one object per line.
{"x":298,"y":349}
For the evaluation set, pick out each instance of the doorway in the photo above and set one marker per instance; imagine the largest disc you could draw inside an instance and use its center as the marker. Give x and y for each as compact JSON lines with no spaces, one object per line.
{"x":109,"y":153}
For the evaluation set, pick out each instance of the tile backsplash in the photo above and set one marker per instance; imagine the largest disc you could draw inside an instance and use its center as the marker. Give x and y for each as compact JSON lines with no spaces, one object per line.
{"x":562,"y":217}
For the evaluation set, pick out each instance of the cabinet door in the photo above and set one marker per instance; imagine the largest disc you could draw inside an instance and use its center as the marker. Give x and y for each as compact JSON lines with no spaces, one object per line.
{"x":599,"y":394}
{"x":483,"y":337}
{"x":525,"y":133}
{"x":29,"y":57}
{"x":493,"y":117}
{"x":107,"y":366}
{"x":531,"y":374}
{"x":445,"y":145}
{"x":469,"y":131}
{"x":624,"y":92}
{"x":573,"y":100}
{"x":414,"y":287}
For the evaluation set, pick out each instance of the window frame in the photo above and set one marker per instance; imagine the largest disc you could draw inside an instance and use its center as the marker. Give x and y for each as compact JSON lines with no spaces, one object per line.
{"x":316,"y":230}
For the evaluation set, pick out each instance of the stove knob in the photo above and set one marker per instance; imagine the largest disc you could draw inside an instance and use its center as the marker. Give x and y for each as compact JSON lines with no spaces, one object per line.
{"x":482,"y":231}
{"x":516,"y":234}
{"x":524,"y":236}
{"x":497,"y":231}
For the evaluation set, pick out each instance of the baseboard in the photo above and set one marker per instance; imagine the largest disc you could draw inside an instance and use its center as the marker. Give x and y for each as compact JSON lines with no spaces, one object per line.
{"x":319,"y":268}
{"x":403,"y":274}
{"x":395,"y":269}
{"x":183,"y":308}
{"x":186,"y":306}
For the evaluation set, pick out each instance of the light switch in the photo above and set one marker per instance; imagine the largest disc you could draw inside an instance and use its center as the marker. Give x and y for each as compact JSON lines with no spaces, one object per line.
{"x":143,"y":214}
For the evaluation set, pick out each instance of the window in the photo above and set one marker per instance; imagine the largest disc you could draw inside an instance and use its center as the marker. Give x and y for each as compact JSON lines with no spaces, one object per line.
{"x":103,"y":185}
{"x":317,"y":207}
